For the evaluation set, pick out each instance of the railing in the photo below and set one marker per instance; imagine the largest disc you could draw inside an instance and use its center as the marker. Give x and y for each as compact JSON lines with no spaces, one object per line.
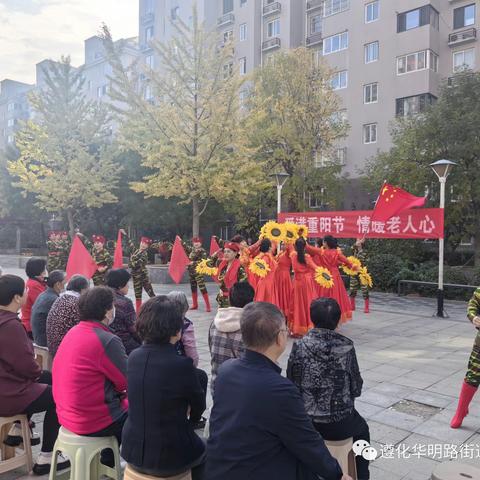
{"x":461,"y":37}
{"x":434,"y":285}
{"x":147,"y":18}
{"x":274,"y":7}
{"x":311,"y":4}
{"x":271,"y":43}
{"x":314,"y":38}
{"x":226,"y":19}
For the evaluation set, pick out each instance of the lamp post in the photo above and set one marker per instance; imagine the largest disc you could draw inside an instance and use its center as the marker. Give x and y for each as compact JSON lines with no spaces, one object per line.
{"x":280,"y":179}
{"x":442,"y":169}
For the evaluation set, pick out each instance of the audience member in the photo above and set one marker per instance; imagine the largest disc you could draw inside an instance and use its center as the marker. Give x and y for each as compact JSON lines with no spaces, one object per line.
{"x":225,"y":338}
{"x":324,"y":366}
{"x":125,"y":317}
{"x":165,"y":398}
{"x":36,"y":270}
{"x":24,"y":388}
{"x":259,"y":428}
{"x":64,"y":313}
{"x":43,"y":304}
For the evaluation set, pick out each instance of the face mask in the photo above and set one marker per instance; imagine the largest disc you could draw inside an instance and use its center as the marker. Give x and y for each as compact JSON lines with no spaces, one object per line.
{"x":110,"y":320}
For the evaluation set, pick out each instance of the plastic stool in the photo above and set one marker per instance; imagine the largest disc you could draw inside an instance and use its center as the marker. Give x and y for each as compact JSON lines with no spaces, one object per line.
{"x":131,"y":474}
{"x":343,"y":453}
{"x":43,"y":357}
{"x":84,"y":455}
{"x":455,"y":471}
{"x":10,"y":461}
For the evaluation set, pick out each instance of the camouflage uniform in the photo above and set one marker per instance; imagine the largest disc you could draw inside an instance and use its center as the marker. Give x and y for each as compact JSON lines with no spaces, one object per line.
{"x":54,"y":259}
{"x":65,"y":247}
{"x":222,"y":297}
{"x":355,"y":283}
{"x":473,"y":373}
{"x":102,"y":258}
{"x":197,"y":280}
{"x":138,"y":266}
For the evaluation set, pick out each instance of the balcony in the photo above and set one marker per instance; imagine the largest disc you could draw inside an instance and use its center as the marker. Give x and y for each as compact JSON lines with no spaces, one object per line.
{"x":275,"y":7}
{"x":225,"y":20}
{"x":271,"y":44}
{"x":312,"y":4}
{"x":147,"y":18}
{"x":465,"y":36}
{"x":314,"y":39}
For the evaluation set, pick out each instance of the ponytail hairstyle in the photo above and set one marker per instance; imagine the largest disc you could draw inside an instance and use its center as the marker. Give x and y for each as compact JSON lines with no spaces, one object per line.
{"x":331,"y":242}
{"x":300,"y":245}
{"x":265,"y":245}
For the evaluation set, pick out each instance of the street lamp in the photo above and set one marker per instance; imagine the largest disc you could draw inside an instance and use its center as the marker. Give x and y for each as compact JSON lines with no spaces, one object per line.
{"x":442,"y":169}
{"x":280,"y":179}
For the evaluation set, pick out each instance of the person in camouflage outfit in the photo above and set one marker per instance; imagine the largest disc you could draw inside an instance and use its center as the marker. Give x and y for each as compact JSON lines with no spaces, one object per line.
{"x":197,"y":281}
{"x":355,"y":284}
{"x":101,"y":256}
{"x":472,"y":378}
{"x":55,"y":251}
{"x":65,"y":247}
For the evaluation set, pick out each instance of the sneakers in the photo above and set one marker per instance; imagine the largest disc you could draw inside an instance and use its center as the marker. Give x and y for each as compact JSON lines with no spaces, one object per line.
{"x":44,"y":462}
{"x":14,"y":437}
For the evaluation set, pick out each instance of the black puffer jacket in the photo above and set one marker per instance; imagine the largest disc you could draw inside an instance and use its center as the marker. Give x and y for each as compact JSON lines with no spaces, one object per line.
{"x":324,"y":367}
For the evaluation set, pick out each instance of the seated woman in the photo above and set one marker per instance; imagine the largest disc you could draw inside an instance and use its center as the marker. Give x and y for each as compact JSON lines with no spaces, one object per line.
{"x":89,"y":373}
{"x":36,"y":270}
{"x":24,"y":388}
{"x":324,"y":366}
{"x":165,"y":398}
{"x":125,"y":317}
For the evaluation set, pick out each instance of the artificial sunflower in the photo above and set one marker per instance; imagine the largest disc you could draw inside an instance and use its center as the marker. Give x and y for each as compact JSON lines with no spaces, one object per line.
{"x":273,"y":231}
{"x":259,"y":267}
{"x":356,"y":263}
{"x":302,"y":231}
{"x":291,"y":232}
{"x":365,"y":278}
{"x":323,"y":277}
{"x":203,"y":268}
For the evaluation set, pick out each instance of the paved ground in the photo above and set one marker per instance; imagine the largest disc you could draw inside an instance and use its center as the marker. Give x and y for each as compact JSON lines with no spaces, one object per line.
{"x":412,"y":365}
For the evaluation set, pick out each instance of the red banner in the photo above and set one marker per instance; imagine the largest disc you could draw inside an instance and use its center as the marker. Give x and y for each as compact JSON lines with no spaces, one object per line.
{"x":420,"y":223}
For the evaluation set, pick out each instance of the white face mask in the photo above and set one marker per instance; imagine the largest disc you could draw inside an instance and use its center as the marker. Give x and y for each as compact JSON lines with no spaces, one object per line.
{"x":112,"y":318}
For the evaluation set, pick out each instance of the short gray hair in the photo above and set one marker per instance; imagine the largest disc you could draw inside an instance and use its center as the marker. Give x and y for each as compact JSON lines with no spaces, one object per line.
{"x":180,"y":299}
{"x":78,"y":283}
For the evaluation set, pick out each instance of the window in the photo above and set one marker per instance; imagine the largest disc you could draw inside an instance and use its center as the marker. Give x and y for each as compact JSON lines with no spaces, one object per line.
{"x":273,"y":28}
{"x":371,"y":52}
{"x":174,"y":13}
{"x":148,"y":34}
{"x":332,"y":7}
{"x":417,"y":61}
{"x":148,"y":93}
{"x":370,"y":93}
{"x":243,"y":32}
{"x":11,"y":107}
{"x":339,"y":80}
{"x":316,"y":24}
{"x":149,"y":61}
{"x":227,"y":36}
{"x":335,"y":43}
{"x":149,"y":6}
{"x":413,"y":105}
{"x":102,"y":91}
{"x":464,"y":60}
{"x":417,"y":18}
{"x":11,"y":139}
{"x":243,"y":97}
{"x":464,"y":16}
{"x":228,"y":70}
{"x":243,"y":66}
{"x":11,"y":122}
{"x":370,"y":133}
{"x":371,"y":11}
{"x":337,"y":157}
{"x":243,"y":3}
{"x":227,"y":6}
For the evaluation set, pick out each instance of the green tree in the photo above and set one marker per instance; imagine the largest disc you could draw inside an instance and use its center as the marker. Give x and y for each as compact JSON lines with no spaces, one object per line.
{"x":184,"y":120}
{"x":449,"y":129}
{"x":294,"y":117}
{"x":66,"y":159}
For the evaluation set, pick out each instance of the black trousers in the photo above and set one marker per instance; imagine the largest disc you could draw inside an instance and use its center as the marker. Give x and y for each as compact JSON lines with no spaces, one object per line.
{"x":352,"y":426}
{"x":203,"y":380}
{"x":45,"y":403}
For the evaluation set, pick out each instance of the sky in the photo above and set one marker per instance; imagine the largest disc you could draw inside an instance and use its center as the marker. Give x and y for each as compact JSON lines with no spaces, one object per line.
{"x":34,"y":30}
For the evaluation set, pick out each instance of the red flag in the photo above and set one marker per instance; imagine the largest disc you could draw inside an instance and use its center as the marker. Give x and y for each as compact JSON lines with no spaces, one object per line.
{"x":80,"y":262}
{"x":214,"y":246}
{"x":118,"y":254}
{"x":392,"y":201}
{"x":179,"y":261}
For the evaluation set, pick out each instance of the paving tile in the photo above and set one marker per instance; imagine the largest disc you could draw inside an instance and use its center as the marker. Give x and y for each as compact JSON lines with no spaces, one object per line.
{"x":398,"y":419}
{"x":443,"y":432}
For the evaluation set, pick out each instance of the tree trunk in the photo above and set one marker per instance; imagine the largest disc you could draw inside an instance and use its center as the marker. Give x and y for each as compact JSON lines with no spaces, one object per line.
{"x":71,"y":225}
{"x":196,"y":218}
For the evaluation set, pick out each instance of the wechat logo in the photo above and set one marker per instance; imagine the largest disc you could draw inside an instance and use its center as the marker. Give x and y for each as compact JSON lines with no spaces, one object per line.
{"x":364,"y":449}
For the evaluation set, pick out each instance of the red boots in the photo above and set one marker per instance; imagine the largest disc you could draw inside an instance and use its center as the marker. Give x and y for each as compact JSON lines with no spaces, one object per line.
{"x":194,"y":301}
{"x":367,"y":306}
{"x":352,"y":303}
{"x":207,"y":301}
{"x":138,"y":305}
{"x":466,"y":395}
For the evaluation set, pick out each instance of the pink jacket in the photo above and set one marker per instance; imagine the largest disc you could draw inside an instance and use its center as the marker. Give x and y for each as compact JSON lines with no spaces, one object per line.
{"x":89,"y":378}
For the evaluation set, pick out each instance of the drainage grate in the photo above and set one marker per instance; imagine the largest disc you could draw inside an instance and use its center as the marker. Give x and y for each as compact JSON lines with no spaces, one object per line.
{"x":415,"y":408}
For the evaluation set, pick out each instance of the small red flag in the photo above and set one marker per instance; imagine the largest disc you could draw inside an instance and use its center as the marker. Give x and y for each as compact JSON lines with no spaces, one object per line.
{"x":80,"y":262}
{"x":118,"y":254}
{"x":214,"y":246}
{"x":392,"y":201}
{"x":179,"y":261}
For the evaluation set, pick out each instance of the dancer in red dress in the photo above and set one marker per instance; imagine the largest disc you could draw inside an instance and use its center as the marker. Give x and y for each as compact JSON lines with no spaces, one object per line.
{"x":304,"y":291}
{"x":247,"y":254}
{"x":331,"y":257}
{"x":283,"y":280}
{"x":265,"y":290}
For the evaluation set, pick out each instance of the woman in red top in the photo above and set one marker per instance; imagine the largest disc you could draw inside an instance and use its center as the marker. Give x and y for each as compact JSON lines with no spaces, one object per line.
{"x":246,"y":255}
{"x":331,"y":257}
{"x":36,"y":270}
{"x":304,"y":291}
{"x":266,"y":290}
{"x":283,"y":280}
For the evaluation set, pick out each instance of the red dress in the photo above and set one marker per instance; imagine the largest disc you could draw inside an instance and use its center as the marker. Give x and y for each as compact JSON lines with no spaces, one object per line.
{"x":247,"y":254}
{"x":332,"y":259}
{"x":283,"y":282}
{"x":265,"y":290}
{"x":303,"y":294}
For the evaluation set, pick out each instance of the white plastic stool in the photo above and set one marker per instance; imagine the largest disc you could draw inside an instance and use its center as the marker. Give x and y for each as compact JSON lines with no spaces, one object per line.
{"x":342,"y":452}
{"x":10,"y":461}
{"x":43,"y":357}
{"x":455,"y":471}
{"x":131,"y":474}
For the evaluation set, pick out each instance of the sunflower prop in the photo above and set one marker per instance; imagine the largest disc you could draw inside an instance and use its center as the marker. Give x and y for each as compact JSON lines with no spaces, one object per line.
{"x":203,"y":268}
{"x":273,"y":231}
{"x":302,"y":231}
{"x":365,"y":278}
{"x":259,"y":267}
{"x":356,"y":263}
{"x":323,"y":277}
{"x":291,"y":232}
